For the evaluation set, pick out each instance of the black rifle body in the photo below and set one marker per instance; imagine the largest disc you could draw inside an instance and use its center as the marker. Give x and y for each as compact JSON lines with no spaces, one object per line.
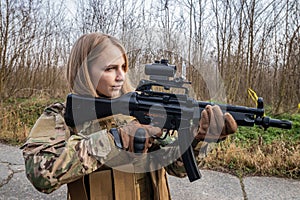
{"x":165,"y":110}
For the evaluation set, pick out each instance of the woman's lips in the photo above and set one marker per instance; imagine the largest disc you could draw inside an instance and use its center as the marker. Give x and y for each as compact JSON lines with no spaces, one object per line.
{"x":117,"y":87}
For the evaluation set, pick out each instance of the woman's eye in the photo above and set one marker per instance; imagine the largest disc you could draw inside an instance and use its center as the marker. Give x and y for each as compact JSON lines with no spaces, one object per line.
{"x":109,"y":68}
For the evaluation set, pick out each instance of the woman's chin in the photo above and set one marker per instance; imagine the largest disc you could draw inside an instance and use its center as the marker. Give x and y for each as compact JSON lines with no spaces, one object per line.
{"x":115,"y":94}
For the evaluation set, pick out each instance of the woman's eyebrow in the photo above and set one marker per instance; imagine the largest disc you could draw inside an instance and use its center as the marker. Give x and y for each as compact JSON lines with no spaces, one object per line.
{"x":112,"y":65}
{"x":115,"y":65}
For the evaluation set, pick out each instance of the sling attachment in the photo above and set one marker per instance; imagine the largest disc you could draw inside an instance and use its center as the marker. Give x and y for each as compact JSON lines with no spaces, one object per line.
{"x":117,"y":139}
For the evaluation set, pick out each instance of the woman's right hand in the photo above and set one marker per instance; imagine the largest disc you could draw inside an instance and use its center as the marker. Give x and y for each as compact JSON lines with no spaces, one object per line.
{"x":137,"y":137}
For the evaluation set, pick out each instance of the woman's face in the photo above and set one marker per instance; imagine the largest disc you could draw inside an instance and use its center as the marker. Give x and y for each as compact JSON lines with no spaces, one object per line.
{"x":108,"y":72}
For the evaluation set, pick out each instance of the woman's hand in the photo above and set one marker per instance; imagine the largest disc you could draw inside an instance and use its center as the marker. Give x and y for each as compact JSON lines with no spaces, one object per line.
{"x":214,"y":125}
{"x":137,"y":137}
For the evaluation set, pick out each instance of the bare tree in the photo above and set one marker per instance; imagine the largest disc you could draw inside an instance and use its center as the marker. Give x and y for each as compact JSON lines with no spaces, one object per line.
{"x":235,"y":44}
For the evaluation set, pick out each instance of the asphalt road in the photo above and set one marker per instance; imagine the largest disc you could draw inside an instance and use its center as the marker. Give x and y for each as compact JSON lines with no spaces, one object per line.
{"x":212,"y":186}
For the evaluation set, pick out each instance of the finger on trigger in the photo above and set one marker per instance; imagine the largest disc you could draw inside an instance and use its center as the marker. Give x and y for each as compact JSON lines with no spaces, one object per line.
{"x":153,"y":130}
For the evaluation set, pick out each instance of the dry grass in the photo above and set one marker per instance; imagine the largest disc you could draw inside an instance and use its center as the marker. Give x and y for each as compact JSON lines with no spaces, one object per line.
{"x":279,"y":158}
{"x":13,"y":130}
{"x":17,"y":116}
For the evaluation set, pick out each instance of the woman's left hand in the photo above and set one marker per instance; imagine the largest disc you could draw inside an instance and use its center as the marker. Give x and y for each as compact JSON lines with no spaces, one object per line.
{"x":214,"y":125}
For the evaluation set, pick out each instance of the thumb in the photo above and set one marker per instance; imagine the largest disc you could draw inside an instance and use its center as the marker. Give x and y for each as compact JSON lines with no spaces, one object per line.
{"x":230,"y":125}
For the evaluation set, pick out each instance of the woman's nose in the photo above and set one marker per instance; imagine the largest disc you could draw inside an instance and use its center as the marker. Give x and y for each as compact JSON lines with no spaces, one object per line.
{"x":120,"y":74}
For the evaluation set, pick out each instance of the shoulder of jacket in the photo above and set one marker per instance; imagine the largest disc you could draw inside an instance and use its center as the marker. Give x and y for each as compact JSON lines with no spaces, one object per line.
{"x":57,"y":108}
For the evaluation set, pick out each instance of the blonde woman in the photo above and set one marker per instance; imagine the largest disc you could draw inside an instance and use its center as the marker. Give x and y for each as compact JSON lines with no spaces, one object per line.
{"x":84,"y":156}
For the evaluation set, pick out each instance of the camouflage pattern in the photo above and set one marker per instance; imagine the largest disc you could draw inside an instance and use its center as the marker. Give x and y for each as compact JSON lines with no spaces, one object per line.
{"x":52,"y":158}
{"x":55,"y":154}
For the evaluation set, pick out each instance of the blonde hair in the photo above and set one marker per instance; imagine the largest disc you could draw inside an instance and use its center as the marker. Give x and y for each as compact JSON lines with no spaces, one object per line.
{"x":85,"y":50}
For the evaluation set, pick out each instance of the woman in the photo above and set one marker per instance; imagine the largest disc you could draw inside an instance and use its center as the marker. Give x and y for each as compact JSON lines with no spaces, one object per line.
{"x":84,"y":156}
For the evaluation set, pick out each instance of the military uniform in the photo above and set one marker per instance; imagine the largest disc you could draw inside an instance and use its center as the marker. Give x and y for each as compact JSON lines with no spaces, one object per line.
{"x":56,"y":154}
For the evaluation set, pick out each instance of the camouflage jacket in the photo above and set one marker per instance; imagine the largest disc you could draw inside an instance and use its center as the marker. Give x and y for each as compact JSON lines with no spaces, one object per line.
{"x":55,"y":154}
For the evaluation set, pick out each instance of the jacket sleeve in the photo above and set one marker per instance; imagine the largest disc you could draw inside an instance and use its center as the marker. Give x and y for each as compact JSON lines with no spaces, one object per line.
{"x":52,"y":158}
